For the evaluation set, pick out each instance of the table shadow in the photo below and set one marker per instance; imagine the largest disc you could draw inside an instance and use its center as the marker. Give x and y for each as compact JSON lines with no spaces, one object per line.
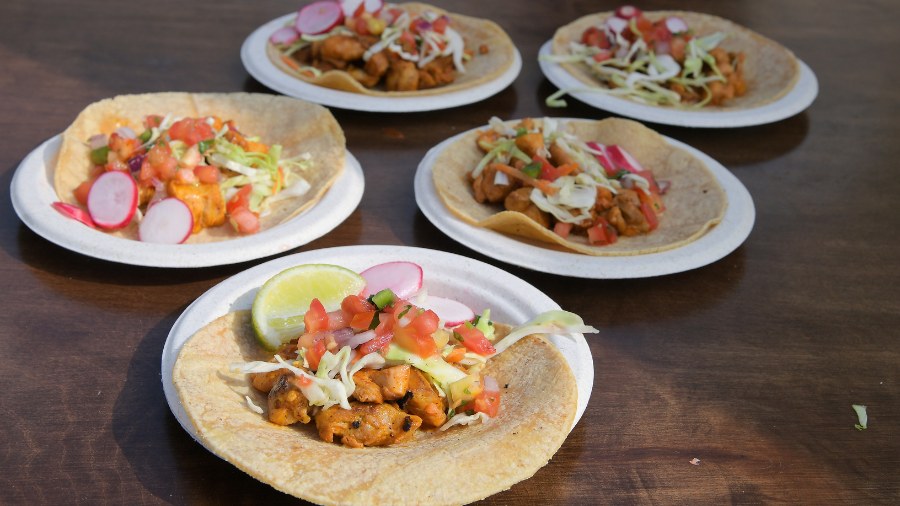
{"x":162,"y":456}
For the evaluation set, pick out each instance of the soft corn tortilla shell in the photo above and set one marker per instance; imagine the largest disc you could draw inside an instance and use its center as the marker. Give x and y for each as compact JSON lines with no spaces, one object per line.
{"x":770,"y":69}
{"x":538,"y":409}
{"x":297,"y":126}
{"x":482,"y":68}
{"x":694,"y":204}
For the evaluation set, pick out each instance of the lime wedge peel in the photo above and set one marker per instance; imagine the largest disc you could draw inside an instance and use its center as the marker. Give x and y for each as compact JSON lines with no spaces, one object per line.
{"x":279,"y":305}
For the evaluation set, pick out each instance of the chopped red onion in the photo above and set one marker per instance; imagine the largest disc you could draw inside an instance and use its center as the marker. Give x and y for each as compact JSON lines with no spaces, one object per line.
{"x":358,"y":339}
{"x":126,"y":132}
{"x":676,"y":24}
{"x":97,"y":141}
{"x":664,"y":185}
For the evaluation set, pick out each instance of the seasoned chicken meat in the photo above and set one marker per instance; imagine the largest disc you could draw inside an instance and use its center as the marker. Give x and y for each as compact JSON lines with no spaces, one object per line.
{"x":287,"y":404}
{"x":366,"y":425}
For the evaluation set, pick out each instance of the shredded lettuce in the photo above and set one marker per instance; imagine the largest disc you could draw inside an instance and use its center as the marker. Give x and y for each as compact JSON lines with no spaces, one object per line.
{"x":862,"y":415}
{"x":464,"y":419}
{"x":549,"y":322}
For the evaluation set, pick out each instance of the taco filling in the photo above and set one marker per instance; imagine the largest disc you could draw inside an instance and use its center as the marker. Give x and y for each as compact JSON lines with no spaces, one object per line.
{"x":380,"y":368}
{"x":402,"y":48}
{"x":175,"y":167}
{"x":610,"y":187}
{"x":674,"y":59}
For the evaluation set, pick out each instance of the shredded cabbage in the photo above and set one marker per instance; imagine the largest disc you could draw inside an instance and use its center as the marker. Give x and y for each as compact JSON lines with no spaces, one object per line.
{"x":464,"y":419}
{"x":549,"y":322}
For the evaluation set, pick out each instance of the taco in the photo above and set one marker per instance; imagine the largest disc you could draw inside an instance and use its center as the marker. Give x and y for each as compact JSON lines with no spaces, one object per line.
{"x":419,"y":50}
{"x":271,"y":157}
{"x":604,"y":188}
{"x":423,"y":467}
{"x":675,"y":58}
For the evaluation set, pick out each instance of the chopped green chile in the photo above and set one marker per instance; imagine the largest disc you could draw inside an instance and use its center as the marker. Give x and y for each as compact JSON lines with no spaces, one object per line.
{"x":382,"y":299}
{"x":145,"y":136}
{"x":533,"y":169}
{"x":100,"y":155}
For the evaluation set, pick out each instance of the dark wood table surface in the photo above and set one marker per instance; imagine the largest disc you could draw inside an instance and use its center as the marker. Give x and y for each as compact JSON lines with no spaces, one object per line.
{"x":750,"y":364}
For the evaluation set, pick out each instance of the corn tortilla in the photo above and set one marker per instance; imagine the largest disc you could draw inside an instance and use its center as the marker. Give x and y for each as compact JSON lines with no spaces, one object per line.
{"x":298,"y":126}
{"x":537,"y":410}
{"x":770,"y":69}
{"x":694,"y":204}
{"x":481,"y":69}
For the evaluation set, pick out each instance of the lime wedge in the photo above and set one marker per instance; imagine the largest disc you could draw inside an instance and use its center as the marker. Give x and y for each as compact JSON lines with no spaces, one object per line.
{"x":280,"y":304}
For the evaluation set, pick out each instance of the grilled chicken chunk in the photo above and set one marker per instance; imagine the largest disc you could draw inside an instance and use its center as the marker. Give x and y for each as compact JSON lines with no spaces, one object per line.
{"x":377,"y":386}
{"x":287,"y":404}
{"x":203,"y":199}
{"x":366,"y":425}
{"x":424,"y":401}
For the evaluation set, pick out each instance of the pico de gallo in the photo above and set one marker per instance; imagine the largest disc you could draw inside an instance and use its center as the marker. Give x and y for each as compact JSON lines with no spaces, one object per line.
{"x":661,"y":62}
{"x":566,"y":184}
{"x":223,"y":176}
{"x":381,"y":367}
{"x":378,"y":45}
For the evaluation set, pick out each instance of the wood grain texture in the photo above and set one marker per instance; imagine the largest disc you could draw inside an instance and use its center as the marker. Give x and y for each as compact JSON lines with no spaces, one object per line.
{"x":750,"y":364}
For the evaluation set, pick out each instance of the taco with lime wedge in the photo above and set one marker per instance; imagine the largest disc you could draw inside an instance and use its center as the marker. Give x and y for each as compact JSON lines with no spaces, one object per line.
{"x":604,"y":188}
{"x":674,"y":59}
{"x":195,"y":167}
{"x":374,"y":415}
{"x":390,"y":50}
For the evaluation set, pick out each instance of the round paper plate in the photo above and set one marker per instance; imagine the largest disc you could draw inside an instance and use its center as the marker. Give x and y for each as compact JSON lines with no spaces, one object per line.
{"x":510,"y":299}
{"x":795,"y":101}
{"x":715,"y":244}
{"x":257,"y":63}
{"x":33,"y":195}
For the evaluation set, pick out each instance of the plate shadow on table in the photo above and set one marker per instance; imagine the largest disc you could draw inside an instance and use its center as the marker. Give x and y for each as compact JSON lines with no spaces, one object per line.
{"x":732,"y":147}
{"x":180,"y":470}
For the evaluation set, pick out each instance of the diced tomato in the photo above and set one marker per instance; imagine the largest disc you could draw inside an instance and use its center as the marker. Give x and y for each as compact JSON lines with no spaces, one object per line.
{"x":354,"y":304}
{"x":487,"y":402}
{"x":123,"y":146}
{"x":602,"y":233}
{"x":191,"y":131}
{"x":661,"y":31}
{"x":81,"y":192}
{"x":244,"y":220}
{"x":207,"y":173}
{"x":645,"y":27}
{"x":649,"y":214}
{"x":316,"y":318}
{"x":409,"y":339}
{"x":551,"y":173}
{"x":473,"y":339}
{"x":152,"y":120}
{"x":161,"y":161}
{"x":426,"y":323}
{"x":440,"y":24}
{"x":314,"y":354}
{"x":362,"y":321}
{"x":562,"y":229}
{"x":595,"y":37}
{"x":602,"y":55}
{"x":376,"y":344}
{"x":407,"y":41}
{"x":239,"y":199}
{"x":304,"y":380}
{"x":456,"y":355}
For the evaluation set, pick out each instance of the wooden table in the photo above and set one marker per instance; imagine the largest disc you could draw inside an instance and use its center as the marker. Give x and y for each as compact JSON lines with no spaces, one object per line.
{"x":750,"y":364}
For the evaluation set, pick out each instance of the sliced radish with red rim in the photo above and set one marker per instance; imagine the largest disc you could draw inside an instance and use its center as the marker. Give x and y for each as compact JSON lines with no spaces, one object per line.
{"x":113,"y":199}
{"x":353,"y":8}
{"x":168,"y":221}
{"x":628,"y":12}
{"x":402,"y":278}
{"x":284,"y":36}
{"x":676,"y":25}
{"x":74,"y":212}
{"x":450,"y":311}
{"x":319,"y":17}
{"x":623,"y":159}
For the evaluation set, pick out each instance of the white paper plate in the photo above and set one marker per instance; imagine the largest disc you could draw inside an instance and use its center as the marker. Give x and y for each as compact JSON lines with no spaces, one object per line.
{"x":474,"y":283}
{"x":257,"y":63}
{"x":795,"y":101}
{"x":33,"y":193}
{"x":715,"y":244}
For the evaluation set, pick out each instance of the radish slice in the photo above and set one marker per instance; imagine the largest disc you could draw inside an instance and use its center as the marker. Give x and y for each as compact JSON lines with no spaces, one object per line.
{"x":353,"y":8}
{"x":319,"y":17}
{"x":284,"y":36}
{"x":452,"y":312}
{"x":74,"y":212}
{"x":623,"y":159}
{"x":168,"y":221}
{"x":602,"y":157}
{"x":616,"y":24}
{"x":676,"y":25}
{"x":402,"y":278}
{"x":113,"y":199}
{"x":628,"y":12}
